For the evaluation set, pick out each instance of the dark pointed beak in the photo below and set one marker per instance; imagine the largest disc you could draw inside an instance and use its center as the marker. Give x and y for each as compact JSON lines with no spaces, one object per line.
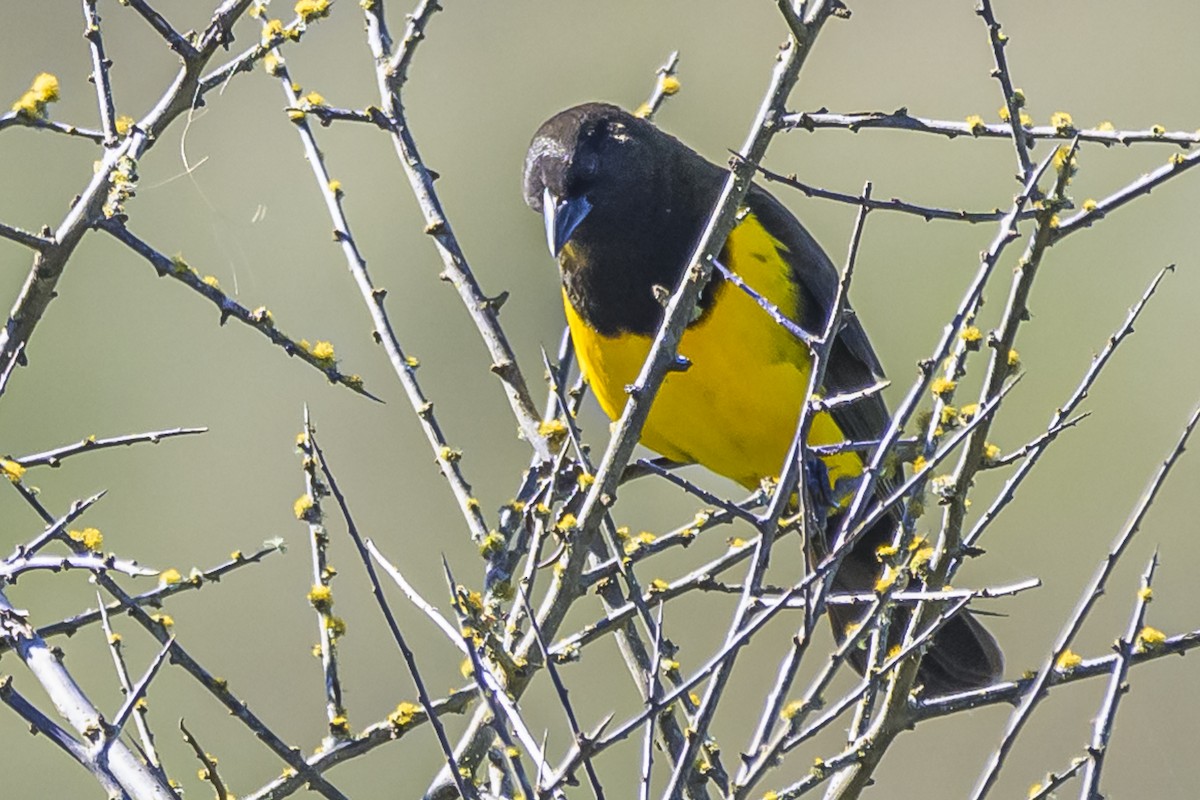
{"x":562,"y":218}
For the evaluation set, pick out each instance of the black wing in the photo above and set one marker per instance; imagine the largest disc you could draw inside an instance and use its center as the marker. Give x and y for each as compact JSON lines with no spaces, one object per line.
{"x":852,"y":364}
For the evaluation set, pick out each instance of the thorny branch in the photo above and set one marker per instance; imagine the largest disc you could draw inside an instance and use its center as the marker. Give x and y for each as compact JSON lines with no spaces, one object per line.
{"x":509,"y":641}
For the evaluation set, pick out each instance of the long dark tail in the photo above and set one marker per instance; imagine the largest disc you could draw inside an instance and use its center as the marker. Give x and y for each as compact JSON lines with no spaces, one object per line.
{"x":963,"y":655}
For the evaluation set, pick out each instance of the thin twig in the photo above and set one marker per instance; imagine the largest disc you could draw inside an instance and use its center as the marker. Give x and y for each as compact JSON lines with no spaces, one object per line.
{"x":665,"y":85}
{"x":259,"y":319}
{"x":404,"y":366}
{"x":901,"y":120}
{"x":391,"y":74}
{"x":53,"y":458}
{"x":1066,"y":409}
{"x":927,"y":213}
{"x":492,"y":691}
{"x":465,"y":787}
{"x":320,"y":596}
{"x":1034,"y":694}
{"x":172,"y":37}
{"x":564,"y":699}
{"x":1055,"y":781}
{"x":30,"y":240}
{"x":155,"y":596}
{"x":158,"y":627}
{"x":1012,"y":101}
{"x":13,"y":568}
{"x":13,"y":119}
{"x":123,"y":767}
{"x":1103,"y":727}
{"x":1037,"y":444}
{"x":99,"y":75}
{"x":114,"y":647}
{"x":1093,"y":212}
{"x":208,"y":769}
{"x":1012,"y":692}
{"x":109,"y":186}
{"x":134,"y":696}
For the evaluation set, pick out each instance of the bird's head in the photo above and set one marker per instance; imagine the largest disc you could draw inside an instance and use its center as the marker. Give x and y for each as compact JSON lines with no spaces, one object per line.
{"x":592,"y":159}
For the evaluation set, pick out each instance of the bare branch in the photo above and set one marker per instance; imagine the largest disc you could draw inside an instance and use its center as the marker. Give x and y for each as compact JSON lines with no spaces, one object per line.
{"x":118,"y":657}
{"x":465,"y":787}
{"x":1035,"y":692}
{"x":99,"y":76}
{"x":665,"y":85}
{"x":259,"y":319}
{"x":1103,"y":726}
{"x":176,"y":42}
{"x":901,"y":120}
{"x":30,"y":240}
{"x":54,"y":458}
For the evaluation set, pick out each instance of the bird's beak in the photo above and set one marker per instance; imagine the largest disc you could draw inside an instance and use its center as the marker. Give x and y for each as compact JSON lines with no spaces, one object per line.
{"x":562,"y":218}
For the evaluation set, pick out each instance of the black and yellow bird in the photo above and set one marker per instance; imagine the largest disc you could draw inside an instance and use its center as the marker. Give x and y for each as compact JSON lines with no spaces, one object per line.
{"x":624,"y":205}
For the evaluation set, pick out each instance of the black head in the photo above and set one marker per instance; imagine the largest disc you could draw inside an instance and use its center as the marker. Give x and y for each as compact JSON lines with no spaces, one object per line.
{"x":592,"y":159}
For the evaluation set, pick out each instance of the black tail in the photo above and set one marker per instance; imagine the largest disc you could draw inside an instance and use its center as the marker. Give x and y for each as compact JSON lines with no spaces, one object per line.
{"x":963,"y":655}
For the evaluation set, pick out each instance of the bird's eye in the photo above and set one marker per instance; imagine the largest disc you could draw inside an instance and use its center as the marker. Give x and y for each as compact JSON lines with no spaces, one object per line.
{"x":586,"y":166}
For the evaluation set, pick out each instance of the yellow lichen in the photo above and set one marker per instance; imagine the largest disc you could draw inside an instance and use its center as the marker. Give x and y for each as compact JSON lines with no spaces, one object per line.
{"x":884,"y":551}
{"x":41,"y":93}
{"x":323,"y":352}
{"x":320,"y":597}
{"x":11,"y":469}
{"x":886,"y":579}
{"x":1061,"y":121}
{"x":272,"y":30}
{"x":404,"y":714}
{"x":1067,"y":661}
{"x":492,"y":544}
{"x":91,"y":538}
{"x":1149,"y":639}
{"x":941,"y":387}
{"x":308,"y":10}
{"x":169,"y":576}
{"x":949,"y":415}
{"x":303,"y":507}
{"x":791,"y":710}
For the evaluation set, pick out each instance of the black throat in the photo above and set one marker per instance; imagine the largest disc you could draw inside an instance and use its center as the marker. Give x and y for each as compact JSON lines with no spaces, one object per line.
{"x":623,"y":252}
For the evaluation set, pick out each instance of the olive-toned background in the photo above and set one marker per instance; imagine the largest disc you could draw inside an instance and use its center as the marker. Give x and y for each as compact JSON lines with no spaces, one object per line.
{"x":122,"y":351}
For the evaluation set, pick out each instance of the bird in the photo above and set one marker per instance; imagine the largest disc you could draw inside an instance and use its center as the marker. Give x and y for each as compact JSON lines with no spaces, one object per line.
{"x":624,"y":204}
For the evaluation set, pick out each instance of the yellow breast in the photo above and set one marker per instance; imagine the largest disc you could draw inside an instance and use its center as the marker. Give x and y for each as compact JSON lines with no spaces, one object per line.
{"x":735,"y":409}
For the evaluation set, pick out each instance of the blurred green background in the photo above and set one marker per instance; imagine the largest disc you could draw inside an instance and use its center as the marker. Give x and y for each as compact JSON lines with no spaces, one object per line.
{"x":121,"y":351}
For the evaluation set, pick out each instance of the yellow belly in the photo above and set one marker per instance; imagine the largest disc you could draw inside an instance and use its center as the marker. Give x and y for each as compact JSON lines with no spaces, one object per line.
{"x":735,"y":409}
